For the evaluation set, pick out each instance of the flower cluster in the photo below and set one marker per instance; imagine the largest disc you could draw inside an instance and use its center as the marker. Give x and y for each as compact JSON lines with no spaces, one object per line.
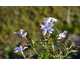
{"x":21,"y":33}
{"x":47,"y":28}
{"x":48,"y":23}
{"x":62,"y":35}
{"x":19,"y":49}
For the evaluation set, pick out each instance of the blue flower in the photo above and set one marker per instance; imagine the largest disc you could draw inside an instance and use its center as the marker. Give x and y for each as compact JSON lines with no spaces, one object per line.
{"x":62,"y":35}
{"x":50,"y":19}
{"x":47,"y":27}
{"x":19,"y":49}
{"x":21,"y":33}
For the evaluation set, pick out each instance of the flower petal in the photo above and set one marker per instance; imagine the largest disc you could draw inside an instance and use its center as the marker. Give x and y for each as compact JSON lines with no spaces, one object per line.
{"x":48,"y":19}
{"x":60,"y":34}
{"x":53,"y":19}
{"x":59,"y":38}
{"x":24,"y":48}
{"x":15,"y":32}
{"x":50,"y":30}
{"x":21,"y":52}
{"x":44,"y":31}
{"x":20,"y":47}
{"x":17,"y":48}
{"x":50,"y":24}
{"x":46,"y":23}
{"x":42,"y":26}
{"x":63,"y":35}
{"x":21,"y":32}
{"x":65,"y":32}
{"x":45,"y":18}
{"x":16,"y":51}
{"x":24,"y":35}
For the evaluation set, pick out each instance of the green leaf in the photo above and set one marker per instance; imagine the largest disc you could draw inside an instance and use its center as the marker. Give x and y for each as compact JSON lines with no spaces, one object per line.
{"x":53,"y":43}
{"x":35,"y":51}
{"x":65,"y":48}
{"x":40,"y":56}
{"x":73,"y":51}
{"x":40,"y":42}
{"x":44,"y":40}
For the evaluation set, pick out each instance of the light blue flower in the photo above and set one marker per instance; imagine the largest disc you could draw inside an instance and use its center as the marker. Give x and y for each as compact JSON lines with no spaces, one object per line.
{"x":50,"y":19}
{"x":62,"y":35}
{"x":21,"y":33}
{"x":47,"y":27}
{"x":19,"y":49}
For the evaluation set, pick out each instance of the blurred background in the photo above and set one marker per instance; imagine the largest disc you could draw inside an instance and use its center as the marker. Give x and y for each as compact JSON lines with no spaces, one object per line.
{"x":15,"y":18}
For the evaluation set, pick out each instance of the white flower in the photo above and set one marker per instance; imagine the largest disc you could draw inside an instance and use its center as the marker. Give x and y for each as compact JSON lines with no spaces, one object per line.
{"x":50,"y":19}
{"x":62,"y":35}
{"x":47,"y":27}
{"x":21,"y":33}
{"x":19,"y":49}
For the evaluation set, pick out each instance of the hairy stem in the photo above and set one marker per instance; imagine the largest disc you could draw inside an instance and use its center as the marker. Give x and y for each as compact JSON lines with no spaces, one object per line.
{"x":23,"y":55}
{"x":57,"y":30}
{"x":31,"y":46}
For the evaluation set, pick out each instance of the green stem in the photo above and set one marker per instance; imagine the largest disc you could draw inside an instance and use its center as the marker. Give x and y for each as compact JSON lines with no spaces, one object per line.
{"x":32,"y":47}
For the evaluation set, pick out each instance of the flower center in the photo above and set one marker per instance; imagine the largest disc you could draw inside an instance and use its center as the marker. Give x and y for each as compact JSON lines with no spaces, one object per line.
{"x":46,"y":26}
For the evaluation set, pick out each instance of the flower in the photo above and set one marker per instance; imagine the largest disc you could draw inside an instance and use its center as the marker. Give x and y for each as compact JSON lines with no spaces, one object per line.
{"x":21,"y":33}
{"x":19,"y":49}
{"x":62,"y":35}
{"x":47,"y":27}
{"x":50,"y":19}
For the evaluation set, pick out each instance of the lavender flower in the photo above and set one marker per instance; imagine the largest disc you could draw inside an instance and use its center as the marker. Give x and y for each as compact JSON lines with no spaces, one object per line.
{"x":50,"y":19}
{"x":47,"y":27}
{"x":19,"y":49}
{"x":62,"y":35}
{"x":21,"y":33}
